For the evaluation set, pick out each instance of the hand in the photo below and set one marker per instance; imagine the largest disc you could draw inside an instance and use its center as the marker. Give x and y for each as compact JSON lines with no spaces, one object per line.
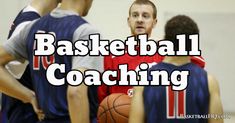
{"x":37,"y":110}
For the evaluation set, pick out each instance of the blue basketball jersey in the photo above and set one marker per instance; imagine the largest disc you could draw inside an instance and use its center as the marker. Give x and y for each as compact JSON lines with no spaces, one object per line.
{"x":163,"y":105}
{"x":23,"y":17}
{"x":23,"y":113}
{"x":52,"y":99}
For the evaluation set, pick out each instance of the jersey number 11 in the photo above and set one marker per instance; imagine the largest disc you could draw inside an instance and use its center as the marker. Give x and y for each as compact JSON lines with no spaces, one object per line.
{"x":176,"y":103}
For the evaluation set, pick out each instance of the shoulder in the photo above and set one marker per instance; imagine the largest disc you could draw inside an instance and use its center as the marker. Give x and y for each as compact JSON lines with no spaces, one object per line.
{"x":87,"y":28}
{"x":30,"y":8}
{"x":29,"y":25}
{"x":83,"y":31}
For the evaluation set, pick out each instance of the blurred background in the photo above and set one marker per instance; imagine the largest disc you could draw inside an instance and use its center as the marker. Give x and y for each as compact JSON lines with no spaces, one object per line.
{"x":215,"y":18}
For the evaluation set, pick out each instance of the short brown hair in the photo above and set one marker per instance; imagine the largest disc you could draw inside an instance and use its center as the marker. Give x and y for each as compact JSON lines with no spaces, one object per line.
{"x":145,"y":2}
{"x":180,"y":24}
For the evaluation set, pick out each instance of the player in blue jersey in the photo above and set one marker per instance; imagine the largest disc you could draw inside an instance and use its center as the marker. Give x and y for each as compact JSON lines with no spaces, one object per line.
{"x":198,"y":103}
{"x":65,"y":23}
{"x":13,"y":110}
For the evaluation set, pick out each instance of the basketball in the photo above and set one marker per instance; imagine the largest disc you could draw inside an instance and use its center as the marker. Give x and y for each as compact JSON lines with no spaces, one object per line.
{"x":114,"y":109}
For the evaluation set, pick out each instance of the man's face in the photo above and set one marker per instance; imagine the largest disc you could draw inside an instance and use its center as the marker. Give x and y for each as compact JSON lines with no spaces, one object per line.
{"x":141,"y":19}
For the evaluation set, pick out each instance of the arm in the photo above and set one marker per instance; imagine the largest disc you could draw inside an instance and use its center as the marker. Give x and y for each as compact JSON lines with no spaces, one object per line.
{"x":137,"y":106}
{"x":17,"y":68}
{"x":78,"y":103}
{"x":78,"y":96}
{"x":215,"y":105}
{"x":14,"y":48}
{"x":10,"y":86}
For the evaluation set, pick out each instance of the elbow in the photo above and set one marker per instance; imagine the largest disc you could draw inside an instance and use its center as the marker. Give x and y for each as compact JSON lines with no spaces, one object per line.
{"x":78,"y":92}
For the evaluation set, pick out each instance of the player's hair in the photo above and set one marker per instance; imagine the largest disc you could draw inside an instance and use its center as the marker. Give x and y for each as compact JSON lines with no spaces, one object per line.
{"x":145,"y":2}
{"x":180,"y":24}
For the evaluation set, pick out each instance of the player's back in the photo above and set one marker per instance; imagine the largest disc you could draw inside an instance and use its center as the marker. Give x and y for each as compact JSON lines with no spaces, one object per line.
{"x":52,"y":99}
{"x":166,"y":106}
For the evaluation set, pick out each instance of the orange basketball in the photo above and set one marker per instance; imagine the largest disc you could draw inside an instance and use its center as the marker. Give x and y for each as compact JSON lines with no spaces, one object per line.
{"x":114,"y":109}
